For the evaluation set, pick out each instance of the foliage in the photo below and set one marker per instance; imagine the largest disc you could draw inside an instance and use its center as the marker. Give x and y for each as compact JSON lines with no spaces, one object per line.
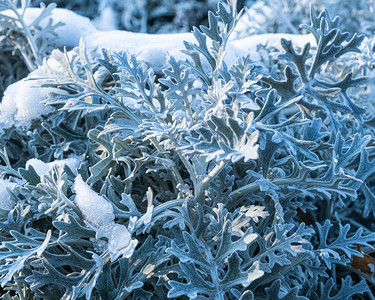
{"x":210,"y":181}
{"x":285,"y":16}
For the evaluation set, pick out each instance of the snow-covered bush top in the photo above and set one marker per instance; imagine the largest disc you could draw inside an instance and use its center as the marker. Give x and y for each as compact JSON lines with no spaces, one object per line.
{"x":198,"y":165}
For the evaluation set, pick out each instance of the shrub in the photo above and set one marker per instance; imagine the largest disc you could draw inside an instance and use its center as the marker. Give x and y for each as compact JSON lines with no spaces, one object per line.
{"x":207,"y":181}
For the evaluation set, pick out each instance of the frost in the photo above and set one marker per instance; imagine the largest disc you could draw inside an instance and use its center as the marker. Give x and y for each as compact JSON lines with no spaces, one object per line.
{"x":5,"y":202}
{"x":42,"y":168}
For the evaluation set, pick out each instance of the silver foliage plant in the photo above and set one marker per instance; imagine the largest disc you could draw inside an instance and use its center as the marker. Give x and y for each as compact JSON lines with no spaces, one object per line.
{"x":23,"y":46}
{"x":228,"y":181}
{"x":285,"y":16}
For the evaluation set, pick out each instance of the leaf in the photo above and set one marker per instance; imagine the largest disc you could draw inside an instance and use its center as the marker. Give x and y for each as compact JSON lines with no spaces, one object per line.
{"x":196,"y":284}
{"x":107,"y":162}
{"x":179,"y":80}
{"x":345,"y":292}
{"x":299,"y":60}
{"x":40,"y":279}
{"x":363,"y":262}
{"x":235,"y":276}
{"x":193,"y":255}
{"x":330,"y":252}
{"x":14,"y":260}
{"x":227,"y":246}
{"x":273,"y":292}
{"x":30,"y":175}
{"x":286,"y":88}
{"x":276,"y":247}
{"x":72,"y":231}
{"x":228,"y":139}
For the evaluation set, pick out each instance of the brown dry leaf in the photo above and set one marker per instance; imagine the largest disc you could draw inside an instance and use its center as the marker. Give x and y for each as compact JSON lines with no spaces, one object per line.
{"x":362,"y":263}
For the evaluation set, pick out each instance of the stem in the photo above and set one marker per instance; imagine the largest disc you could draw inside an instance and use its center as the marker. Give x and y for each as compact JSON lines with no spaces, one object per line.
{"x":202,"y":187}
{"x":71,"y":205}
{"x":131,"y":115}
{"x":315,"y":64}
{"x":167,"y":205}
{"x":29,"y":64}
{"x":29,"y":36}
{"x":254,"y":187}
{"x":189,"y":168}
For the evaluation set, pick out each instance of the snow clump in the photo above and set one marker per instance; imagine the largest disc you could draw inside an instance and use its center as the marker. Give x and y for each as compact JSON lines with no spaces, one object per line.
{"x":95,"y":208}
{"x":99,"y":213}
{"x":22,"y":103}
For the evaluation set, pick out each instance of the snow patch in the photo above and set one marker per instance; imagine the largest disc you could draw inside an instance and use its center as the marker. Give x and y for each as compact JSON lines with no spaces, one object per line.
{"x":42,"y":168}
{"x":22,"y":103}
{"x":99,"y":213}
{"x":120,"y":242}
{"x":249,"y":45}
{"x":68,"y":35}
{"x":154,"y":49}
{"x":95,"y":208}
{"x":106,"y":19}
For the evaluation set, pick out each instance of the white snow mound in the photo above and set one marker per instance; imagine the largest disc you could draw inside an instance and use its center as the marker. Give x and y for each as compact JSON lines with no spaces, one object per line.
{"x":95,"y":208}
{"x":99,"y":213}
{"x":22,"y":103}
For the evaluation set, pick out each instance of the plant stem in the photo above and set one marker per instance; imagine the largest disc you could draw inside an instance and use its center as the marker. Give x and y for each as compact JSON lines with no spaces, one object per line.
{"x":29,"y":36}
{"x":138,"y":121}
{"x":254,"y":186}
{"x":202,"y":187}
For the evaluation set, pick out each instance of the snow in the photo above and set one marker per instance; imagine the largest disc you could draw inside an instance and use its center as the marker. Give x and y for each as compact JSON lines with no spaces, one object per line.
{"x":22,"y":103}
{"x":5,"y":202}
{"x":99,"y":213}
{"x":120,"y":242}
{"x":68,"y":35}
{"x":151,"y":48}
{"x":106,"y":19}
{"x":42,"y":168}
{"x":95,"y":208}
{"x":250,"y":44}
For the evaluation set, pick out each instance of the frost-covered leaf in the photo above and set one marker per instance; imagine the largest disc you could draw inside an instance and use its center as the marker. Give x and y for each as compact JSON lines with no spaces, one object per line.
{"x":330,"y":250}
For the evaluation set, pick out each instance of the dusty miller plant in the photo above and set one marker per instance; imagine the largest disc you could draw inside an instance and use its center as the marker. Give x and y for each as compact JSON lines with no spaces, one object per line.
{"x":227,"y":183}
{"x":285,"y":16}
{"x":23,"y":46}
